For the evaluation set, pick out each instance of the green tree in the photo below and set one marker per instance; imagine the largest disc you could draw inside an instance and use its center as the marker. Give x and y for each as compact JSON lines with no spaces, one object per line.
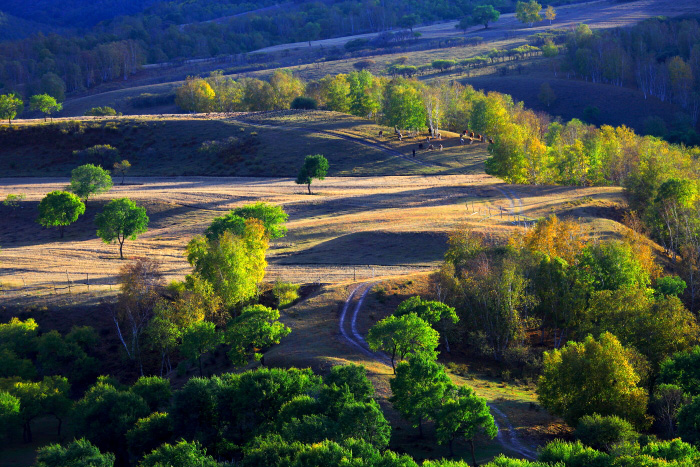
{"x":122,"y":168}
{"x":198,"y":339}
{"x":529,"y":12}
{"x":612,"y":265}
{"x":105,"y":414}
{"x":272,"y":217}
{"x":403,"y":105}
{"x":59,"y":209}
{"x":49,"y":396}
{"x":196,"y":95}
{"x":605,"y":432}
{"x":566,"y":390}
{"x":182,"y":454}
{"x":79,"y":453}
{"x":418,"y":389}
{"x":354,"y":377}
{"x":10,"y":106}
{"x":19,"y":336}
{"x":311,"y":32}
{"x":89,"y":180}
{"x":10,"y":418}
{"x":403,"y":336}
{"x":365,"y":94}
{"x":315,"y":167}
{"x":408,"y":21}
{"x":440,"y":316}
{"x":149,"y":433}
{"x":689,"y":421}
{"x":682,"y":369}
{"x":233,"y":265}
{"x":121,"y":219}
{"x":105,"y":111}
{"x":155,"y":391}
{"x":45,"y":104}
{"x":485,"y":14}
{"x":257,"y":327}
{"x":464,"y":414}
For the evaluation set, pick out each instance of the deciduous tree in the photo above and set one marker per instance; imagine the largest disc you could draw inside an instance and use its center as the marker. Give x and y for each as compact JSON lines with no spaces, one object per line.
{"x":10,"y":106}
{"x":198,"y":339}
{"x":59,"y":209}
{"x":315,"y":167}
{"x":418,"y":389}
{"x":89,"y":180}
{"x":121,"y":219}
{"x":403,"y":336}
{"x":79,"y":453}
{"x":529,"y":12}
{"x":566,"y":389}
{"x":122,"y":168}
{"x":255,"y":328}
{"x":485,"y":14}
{"x":464,"y":414}
{"x":45,"y":104}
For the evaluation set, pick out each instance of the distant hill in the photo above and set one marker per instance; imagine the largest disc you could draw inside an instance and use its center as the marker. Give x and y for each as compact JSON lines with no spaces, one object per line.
{"x":72,"y":13}
{"x":12,"y":27}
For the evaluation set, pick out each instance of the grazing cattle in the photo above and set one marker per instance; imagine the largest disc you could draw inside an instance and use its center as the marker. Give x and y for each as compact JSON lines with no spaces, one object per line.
{"x":400,"y":137}
{"x":431,"y":147}
{"x":461,"y":141}
{"x":427,"y":140}
{"x":471,"y":134}
{"x":490,"y":140}
{"x":441,"y":147}
{"x":478,"y":137}
{"x":414,"y":153}
{"x":471,"y":140}
{"x":381,"y":133}
{"x":439,"y":135}
{"x":482,"y":138}
{"x":420,"y":145}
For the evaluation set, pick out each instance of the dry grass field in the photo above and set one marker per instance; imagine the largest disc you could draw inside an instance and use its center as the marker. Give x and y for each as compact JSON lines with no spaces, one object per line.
{"x":350,"y":228}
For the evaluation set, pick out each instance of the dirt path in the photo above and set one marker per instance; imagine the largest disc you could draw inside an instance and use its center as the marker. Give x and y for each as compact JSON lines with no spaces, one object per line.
{"x":348,"y":329}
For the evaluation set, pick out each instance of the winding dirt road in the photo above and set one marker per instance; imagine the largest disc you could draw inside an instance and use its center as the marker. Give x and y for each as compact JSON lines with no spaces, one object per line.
{"x":348,"y":329}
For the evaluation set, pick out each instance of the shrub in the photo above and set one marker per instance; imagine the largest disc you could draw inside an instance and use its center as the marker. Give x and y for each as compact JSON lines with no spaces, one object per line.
{"x":604,"y":432}
{"x":304,"y":103}
{"x":285,"y":293}
{"x":101,"y":112}
{"x":356,"y":44}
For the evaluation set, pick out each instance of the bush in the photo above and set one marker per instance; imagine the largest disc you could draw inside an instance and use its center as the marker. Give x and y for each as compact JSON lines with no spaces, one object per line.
{"x":285,"y":293}
{"x":573,"y":455}
{"x":304,"y":103}
{"x":604,"y":432}
{"x":356,"y":44}
{"x":101,"y":112}
{"x":364,"y":64}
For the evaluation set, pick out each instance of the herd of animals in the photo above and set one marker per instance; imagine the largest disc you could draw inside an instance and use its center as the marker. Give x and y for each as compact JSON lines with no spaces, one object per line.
{"x":466,"y":136}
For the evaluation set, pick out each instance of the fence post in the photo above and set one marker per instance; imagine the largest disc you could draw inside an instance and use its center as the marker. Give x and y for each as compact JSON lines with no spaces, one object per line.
{"x":68,"y":277}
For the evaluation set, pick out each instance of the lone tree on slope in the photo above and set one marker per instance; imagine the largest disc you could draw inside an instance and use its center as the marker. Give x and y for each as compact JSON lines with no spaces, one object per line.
{"x":315,"y":166}
{"x":121,"y":219}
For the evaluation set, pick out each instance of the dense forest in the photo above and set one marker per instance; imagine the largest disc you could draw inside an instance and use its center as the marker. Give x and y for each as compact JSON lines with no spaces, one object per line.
{"x":659,"y":56}
{"x":163,"y":32}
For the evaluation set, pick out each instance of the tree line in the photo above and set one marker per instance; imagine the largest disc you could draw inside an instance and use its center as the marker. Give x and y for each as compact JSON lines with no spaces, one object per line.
{"x":661,"y":57}
{"x":170,"y":31}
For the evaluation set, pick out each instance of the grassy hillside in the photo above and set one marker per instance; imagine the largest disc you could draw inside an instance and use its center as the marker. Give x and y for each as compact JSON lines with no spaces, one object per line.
{"x":273,"y":145}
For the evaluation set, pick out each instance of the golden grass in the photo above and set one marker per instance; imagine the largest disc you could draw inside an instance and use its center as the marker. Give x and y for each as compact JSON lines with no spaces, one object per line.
{"x":350,"y":228}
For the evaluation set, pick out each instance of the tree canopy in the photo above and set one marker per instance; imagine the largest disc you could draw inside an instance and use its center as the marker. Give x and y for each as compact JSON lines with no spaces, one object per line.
{"x":45,"y":104}
{"x":59,"y":209}
{"x":10,"y":106}
{"x":121,"y":219}
{"x":315,"y":167}
{"x":89,"y":180}
{"x":403,"y":336}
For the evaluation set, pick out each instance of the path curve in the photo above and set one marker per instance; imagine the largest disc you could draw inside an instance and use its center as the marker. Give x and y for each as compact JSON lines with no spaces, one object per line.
{"x":354,"y":338}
